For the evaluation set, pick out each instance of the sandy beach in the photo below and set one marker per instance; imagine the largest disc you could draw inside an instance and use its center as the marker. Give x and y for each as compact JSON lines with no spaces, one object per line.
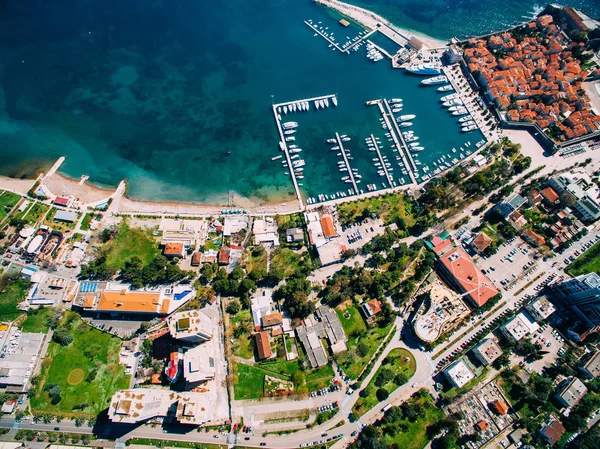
{"x":370,"y":20}
{"x":60,"y":185}
{"x":21,"y":186}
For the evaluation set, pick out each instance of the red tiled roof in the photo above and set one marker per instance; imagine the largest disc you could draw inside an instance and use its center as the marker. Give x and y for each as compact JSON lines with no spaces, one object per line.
{"x":263,"y":346}
{"x":224,"y":255}
{"x":470,"y":278}
{"x":173,"y":249}
{"x":60,"y":201}
{"x":549,"y":194}
{"x":482,"y":241}
{"x":327,"y":225}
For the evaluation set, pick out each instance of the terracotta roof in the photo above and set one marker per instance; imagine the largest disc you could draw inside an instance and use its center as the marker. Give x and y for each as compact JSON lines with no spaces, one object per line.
{"x":124,"y":301}
{"x":482,"y":425}
{"x":482,"y":241}
{"x":470,"y":278}
{"x":196,"y":258}
{"x":553,"y":431}
{"x":327,"y":225}
{"x":59,"y":200}
{"x":89,"y":301}
{"x":549,"y":194}
{"x":173,"y":249}
{"x":534,"y":237}
{"x":272,"y":319}
{"x":263,"y":346}
{"x":224,"y":255}
{"x":375,"y":306}
{"x":500,"y":407}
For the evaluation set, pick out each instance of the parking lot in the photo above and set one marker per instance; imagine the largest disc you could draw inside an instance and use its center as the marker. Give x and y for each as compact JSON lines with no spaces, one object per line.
{"x":513,"y":262}
{"x":551,"y":342}
{"x":358,"y":234}
{"x":579,"y":248}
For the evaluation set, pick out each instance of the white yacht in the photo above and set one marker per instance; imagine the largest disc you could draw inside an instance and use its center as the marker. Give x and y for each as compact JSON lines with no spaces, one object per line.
{"x":334,"y":100}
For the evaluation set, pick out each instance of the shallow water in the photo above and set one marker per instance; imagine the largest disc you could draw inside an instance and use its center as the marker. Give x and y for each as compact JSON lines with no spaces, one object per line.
{"x":176,"y":96}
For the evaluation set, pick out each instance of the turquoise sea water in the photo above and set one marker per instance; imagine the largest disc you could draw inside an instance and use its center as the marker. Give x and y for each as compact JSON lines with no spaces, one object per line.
{"x":464,"y":18}
{"x":175,"y":96}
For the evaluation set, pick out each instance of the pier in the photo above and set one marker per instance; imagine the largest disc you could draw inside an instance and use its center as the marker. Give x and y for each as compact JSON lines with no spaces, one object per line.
{"x":399,"y":134}
{"x":341,"y":145}
{"x":309,"y":100}
{"x":397,"y":137}
{"x":358,"y":42}
{"x":287,"y":157}
{"x":387,"y":173}
{"x":326,"y":37}
{"x":381,"y":50}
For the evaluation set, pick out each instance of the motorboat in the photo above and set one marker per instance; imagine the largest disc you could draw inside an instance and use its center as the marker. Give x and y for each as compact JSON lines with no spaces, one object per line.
{"x":407,"y":117}
{"x":424,"y":69}
{"x":440,"y":79}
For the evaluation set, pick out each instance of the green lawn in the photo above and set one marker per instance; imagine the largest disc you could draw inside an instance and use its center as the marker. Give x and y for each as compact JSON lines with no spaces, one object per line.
{"x":130,"y":242}
{"x":8,"y":200}
{"x":286,"y":261}
{"x":87,"y":220}
{"x":359,"y":338}
{"x":64,"y":227}
{"x":36,"y":320}
{"x":319,"y":378}
{"x":11,"y":295}
{"x":91,"y":351}
{"x":250,"y":382}
{"x":389,"y":207}
{"x":243,"y":345}
{"x":415,"y":437}
{"x":257,"y":259}
{"x":33,"y":213}
{"x":162,"y":443}
{"x":586,"y":263}
{"x":396,"y":363}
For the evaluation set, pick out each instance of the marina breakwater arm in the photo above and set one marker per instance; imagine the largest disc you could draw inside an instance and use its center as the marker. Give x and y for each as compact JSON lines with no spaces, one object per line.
{"x":373,"y":21}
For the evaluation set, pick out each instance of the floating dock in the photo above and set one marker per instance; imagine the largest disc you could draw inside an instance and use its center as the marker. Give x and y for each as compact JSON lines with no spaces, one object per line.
{"x":287,"y":157}
{"x":309,"y":100}
{"x":347,"y":46}
{"x":381,"y":50}
{"x":284,"y":144}
{"x":326,"y":37}
{"x":339,"y":141}
{"x":387,"y":173}
{"x":394,"y":131}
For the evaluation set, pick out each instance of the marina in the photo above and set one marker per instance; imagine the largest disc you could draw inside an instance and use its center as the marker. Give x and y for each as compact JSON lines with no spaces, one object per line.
{"x":346,"y":162}
{"x":351,"y":44}
{"x":382,"y":161}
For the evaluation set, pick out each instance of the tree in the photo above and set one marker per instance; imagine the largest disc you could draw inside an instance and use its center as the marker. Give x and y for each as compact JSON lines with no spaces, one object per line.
{"x":381,"y":394}
{"x":400,"y":379}
{"x":233,"y":307}
{"x":54,"y":393}
{"x":62,"y":336}
{"x":362,"y":348}
{"x":237,"y":273}
{"x":384,"y":376}
{"x":79,"y":421}
{"x":208,"y":271}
